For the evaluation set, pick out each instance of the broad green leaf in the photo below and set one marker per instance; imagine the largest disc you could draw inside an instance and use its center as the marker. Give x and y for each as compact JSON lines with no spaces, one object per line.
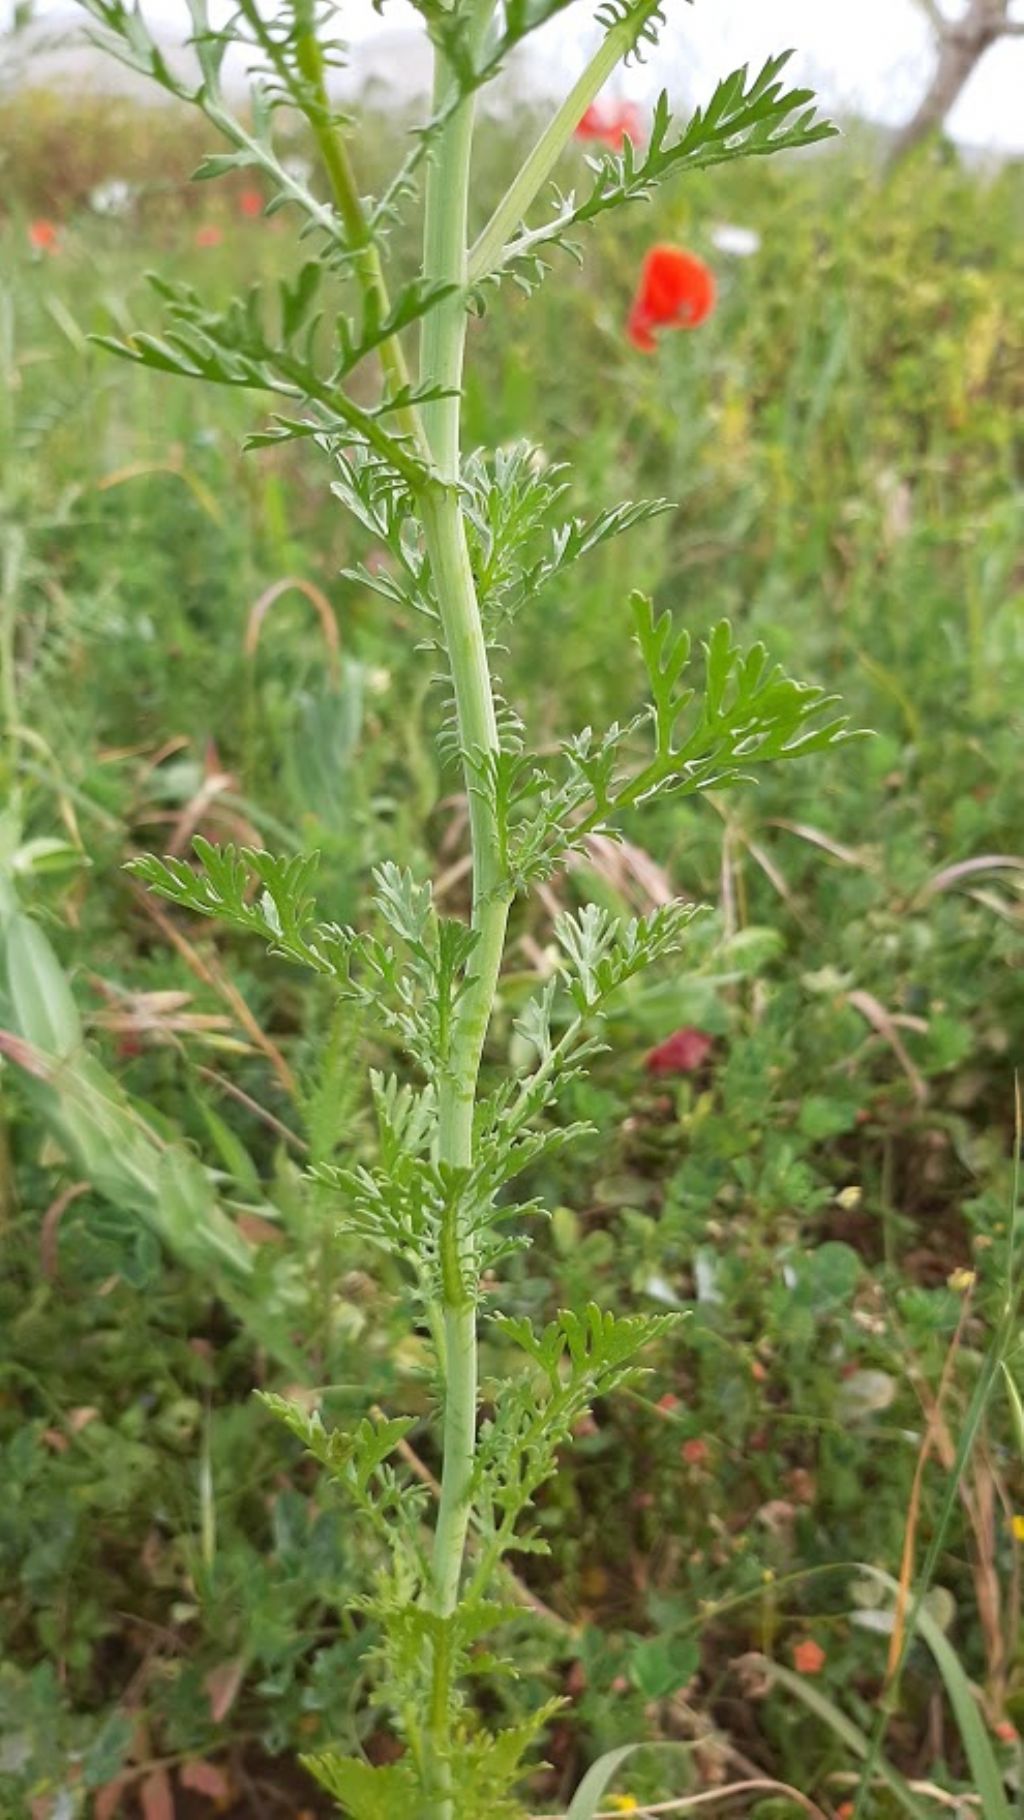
{"x":659,"y":1666}
{"x":44,"y":1008}
{"x":47,"y":854}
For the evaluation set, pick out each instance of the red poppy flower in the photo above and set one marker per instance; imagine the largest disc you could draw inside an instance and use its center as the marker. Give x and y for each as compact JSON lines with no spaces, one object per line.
{"x":250,"y":203}
{"x":676,"y":291}
{"x":612,"y":123}
{"x":44,"y":236}
{"x":209,"y":235}
{"x":680,"y":1053}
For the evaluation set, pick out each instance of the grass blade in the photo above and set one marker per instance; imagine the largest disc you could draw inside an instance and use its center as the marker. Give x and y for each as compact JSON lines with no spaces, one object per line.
{"x":986,"y":1776}
{"x":587,"y":1799}
{"x":845,"y":1730}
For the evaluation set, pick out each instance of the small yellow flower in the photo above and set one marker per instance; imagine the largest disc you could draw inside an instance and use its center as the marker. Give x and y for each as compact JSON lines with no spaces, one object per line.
{"x":1017,"y":1525}
{"x":625,"y":1804}
{"x":961,"y":1280}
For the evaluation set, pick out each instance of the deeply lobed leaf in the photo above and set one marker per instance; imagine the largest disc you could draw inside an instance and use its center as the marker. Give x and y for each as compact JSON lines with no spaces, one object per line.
{"x":746,"y":117}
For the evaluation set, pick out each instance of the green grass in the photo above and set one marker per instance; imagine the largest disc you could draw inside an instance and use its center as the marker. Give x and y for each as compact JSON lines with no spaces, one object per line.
{"x":843,"y":442}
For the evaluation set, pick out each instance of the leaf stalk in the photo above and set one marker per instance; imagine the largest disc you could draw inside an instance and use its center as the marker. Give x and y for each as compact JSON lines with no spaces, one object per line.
{"x":514,"y":206}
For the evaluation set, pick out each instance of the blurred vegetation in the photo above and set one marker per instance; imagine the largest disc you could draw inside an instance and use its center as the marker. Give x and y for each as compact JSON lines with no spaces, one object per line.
{"x":182,"y":655}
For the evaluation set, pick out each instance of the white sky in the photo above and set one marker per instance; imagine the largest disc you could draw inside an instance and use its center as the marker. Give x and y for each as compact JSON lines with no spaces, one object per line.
{"x":869,"y":56}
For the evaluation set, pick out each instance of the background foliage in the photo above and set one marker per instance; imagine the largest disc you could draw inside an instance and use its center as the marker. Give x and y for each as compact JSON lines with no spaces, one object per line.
{"x":804,"y":1175}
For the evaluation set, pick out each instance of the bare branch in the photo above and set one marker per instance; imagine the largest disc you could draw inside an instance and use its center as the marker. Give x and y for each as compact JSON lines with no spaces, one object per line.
{"x":935,"y":16}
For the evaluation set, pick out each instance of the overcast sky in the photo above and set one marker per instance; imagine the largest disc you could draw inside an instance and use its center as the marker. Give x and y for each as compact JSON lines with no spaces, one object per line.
{"x":871,"y":56}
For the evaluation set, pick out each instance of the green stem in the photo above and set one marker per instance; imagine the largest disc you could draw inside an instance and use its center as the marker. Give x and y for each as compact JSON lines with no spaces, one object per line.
{"x":460,"y":1442}
{"x":488,"y":251}
{"x":369,"y":268}
{"x":443,"y":337}
{"x":441,"y":363}
{"x":339,"y":404}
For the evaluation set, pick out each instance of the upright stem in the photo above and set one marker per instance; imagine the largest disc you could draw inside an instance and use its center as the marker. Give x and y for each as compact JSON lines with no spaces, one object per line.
{"x":441,"y":363}
{"x":338,"y":166}
{"x":436,"y":433}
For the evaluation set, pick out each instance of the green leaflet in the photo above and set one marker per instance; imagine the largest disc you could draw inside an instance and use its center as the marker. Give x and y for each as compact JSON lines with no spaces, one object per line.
{"x":746,"y":117}
{"x":365,"y":1792}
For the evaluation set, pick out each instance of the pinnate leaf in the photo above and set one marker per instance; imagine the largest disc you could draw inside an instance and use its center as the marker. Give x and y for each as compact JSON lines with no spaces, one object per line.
{"x":365,"y":1791}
